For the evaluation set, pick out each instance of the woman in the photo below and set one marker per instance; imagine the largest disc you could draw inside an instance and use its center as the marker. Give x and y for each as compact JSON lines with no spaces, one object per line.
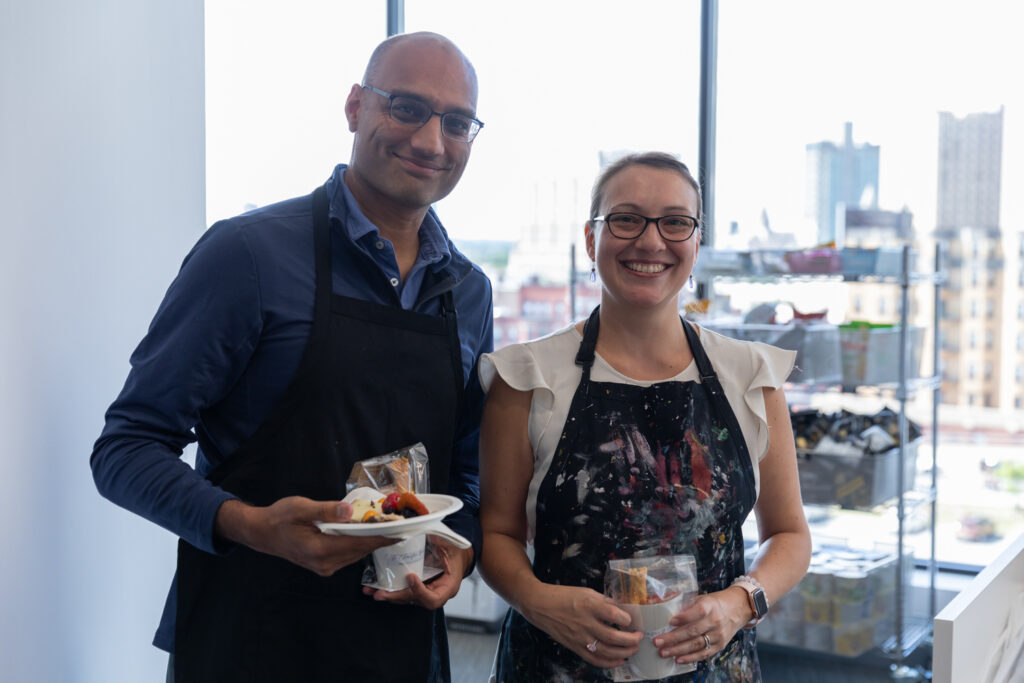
{"x":635,"y":434}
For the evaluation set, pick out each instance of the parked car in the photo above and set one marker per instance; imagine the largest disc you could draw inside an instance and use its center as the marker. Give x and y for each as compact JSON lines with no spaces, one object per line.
{"x":976,"y":528}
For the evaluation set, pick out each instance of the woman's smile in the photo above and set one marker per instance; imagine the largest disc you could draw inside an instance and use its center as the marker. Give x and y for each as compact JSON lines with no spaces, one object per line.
{"x":650,"y":268}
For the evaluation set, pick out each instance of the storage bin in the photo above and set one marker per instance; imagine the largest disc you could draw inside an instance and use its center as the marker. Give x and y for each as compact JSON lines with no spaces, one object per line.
{"x":817,"y":346}
{"x":820,"y":261}
{"x":724,"y":262}
{"x":870,"y":353}
{"x":854,"y":481}
{"x":817,"y":609}
{"x":851,"y":640}
{"x":889,"y":261}
{"x":843,"y":605}
{"x":856,"y":261}
{"x":884,"y":261}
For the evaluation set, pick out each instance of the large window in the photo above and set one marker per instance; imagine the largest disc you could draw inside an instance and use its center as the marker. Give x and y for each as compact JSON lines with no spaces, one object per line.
{"x":564,"y":85}
{"x":277,"y":75}
{"x":560,"y":84}
{"x":800,"y":82}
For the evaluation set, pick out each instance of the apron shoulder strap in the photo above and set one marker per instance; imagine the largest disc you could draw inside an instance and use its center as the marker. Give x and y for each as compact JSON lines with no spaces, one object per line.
{"x":708,"y":377}
{"x":322,"y":248}
{"x":451,"y":318}
{"x":585,"y":355}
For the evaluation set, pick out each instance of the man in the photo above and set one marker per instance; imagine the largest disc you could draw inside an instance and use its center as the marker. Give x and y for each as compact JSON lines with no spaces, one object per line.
{"x":296,"y":340}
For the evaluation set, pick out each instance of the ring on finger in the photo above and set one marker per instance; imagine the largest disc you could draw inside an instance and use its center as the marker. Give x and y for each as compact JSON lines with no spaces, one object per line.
{"x":592,"y":645}
{"x":707,"y":641}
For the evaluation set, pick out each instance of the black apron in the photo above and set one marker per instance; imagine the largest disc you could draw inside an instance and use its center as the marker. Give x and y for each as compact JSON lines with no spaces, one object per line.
{"x":372,"y":379}
{"x":639,"y":471}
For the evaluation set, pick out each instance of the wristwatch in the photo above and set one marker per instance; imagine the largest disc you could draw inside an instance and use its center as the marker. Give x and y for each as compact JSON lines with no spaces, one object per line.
{"x":756,"y":598}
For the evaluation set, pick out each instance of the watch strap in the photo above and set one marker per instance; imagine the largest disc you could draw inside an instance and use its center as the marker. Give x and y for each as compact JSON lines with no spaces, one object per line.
{"x":756,"y":599}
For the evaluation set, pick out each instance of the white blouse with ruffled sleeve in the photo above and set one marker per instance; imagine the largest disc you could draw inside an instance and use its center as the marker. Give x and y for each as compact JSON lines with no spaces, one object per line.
{"x":547,"y":367}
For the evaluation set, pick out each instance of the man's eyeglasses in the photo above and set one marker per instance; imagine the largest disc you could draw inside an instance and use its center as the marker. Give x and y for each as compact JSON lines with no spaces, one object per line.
{"x":629,"y":226}
{"x":413,"y":112}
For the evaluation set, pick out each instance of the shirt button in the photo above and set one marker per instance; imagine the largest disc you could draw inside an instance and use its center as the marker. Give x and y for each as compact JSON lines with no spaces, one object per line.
{"x":380,"y":244}
{"x":394,"y":282}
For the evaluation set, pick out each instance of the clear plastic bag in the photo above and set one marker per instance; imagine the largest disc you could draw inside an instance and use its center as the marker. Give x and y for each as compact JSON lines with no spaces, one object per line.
{"x":652,"y":590}
{"x":399,"y":471}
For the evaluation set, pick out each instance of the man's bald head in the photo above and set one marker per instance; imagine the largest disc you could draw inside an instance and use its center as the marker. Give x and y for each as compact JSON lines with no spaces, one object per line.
{"x":425,"y":38}
{"x":400,"y":163}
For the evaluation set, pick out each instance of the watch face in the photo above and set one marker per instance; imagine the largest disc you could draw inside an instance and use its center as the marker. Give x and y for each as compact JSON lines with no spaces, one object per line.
{"x":760,"y":603}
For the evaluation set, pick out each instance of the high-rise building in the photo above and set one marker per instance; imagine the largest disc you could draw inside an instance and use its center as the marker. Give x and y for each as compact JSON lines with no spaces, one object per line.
{"x":840,"y":177}
{"x":879,"y":229}
{"x":973,"y":320}
{"x":970,"y":166}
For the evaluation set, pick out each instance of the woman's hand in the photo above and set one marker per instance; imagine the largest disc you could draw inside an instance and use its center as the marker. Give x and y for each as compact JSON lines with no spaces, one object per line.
{"x":581,"y":619}
{"x":706,"y":626}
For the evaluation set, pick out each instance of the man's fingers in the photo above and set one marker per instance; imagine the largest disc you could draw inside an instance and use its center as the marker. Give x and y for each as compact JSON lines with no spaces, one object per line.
{"x":420,"y":591}
{"x":402,"y":597}
{"x":430,"y":597}
{"x":334,"y":512}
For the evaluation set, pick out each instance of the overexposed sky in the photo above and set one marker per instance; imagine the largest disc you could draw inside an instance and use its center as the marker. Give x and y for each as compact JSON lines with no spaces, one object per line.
{"x":562,"y":80}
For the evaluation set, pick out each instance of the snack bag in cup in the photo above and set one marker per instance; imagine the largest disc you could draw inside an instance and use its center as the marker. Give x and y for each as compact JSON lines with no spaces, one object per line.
{"x":405,"y":470}
{"x":387,"y":567}
{"x":393,"y":562}
{"x":651,"y":590}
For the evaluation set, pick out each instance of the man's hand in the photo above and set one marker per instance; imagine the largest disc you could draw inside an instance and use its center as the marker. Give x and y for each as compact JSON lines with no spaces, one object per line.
{"x":286,"y":530}
{"x":441,"y":589}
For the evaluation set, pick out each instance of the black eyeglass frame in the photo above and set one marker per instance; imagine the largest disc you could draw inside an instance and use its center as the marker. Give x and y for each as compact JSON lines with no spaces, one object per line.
{"x":647,"y":221}
{"x":474,"y":124}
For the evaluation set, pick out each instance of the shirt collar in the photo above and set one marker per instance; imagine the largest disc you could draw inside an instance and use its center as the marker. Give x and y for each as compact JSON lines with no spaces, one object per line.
{"x":434,"y":248}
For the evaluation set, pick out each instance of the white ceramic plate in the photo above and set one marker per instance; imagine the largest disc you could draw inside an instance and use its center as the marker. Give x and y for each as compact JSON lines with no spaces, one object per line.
{"x":440,"y":506}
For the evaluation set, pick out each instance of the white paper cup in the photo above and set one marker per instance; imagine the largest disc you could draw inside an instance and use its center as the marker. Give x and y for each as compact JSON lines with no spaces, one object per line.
{"x":653,"y":621}
{"x":395,"y":561}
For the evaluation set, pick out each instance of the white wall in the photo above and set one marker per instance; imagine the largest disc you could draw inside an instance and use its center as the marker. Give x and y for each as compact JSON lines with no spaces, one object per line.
{"x":101,"y":195}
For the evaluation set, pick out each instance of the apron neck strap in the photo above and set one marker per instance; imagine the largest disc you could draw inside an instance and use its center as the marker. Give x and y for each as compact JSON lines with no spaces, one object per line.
{"x":708,"y":377}
{"x":585,"y":355}
{"x":700,"y":357}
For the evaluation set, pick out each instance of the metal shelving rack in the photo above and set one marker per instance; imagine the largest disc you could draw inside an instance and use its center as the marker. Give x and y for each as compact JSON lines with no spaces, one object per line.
{"x":909,"y":632}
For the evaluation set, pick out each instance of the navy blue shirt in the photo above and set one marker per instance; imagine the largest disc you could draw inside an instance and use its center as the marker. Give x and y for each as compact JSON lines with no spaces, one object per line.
{"x":228,"y":337}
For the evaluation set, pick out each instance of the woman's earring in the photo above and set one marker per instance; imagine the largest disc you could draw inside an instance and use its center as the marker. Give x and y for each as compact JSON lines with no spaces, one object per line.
{"x":690,"y":284}
{"x":593,"y":272}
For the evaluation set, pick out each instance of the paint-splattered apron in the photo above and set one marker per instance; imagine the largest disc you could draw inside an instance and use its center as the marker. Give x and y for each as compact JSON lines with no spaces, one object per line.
{"x":656,"y":470}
